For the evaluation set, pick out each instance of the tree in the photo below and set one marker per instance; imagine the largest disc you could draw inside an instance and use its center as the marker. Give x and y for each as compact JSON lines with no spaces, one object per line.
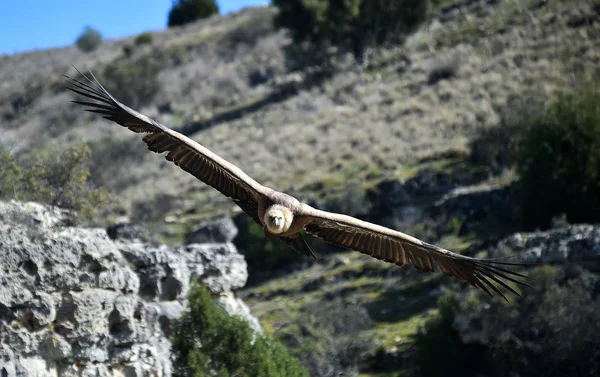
{"x":354,"y":24}
{"x":557,"y":155}
{"x":186,"y":11}
{"x":209,"y":342}
{"x":89,"y":40}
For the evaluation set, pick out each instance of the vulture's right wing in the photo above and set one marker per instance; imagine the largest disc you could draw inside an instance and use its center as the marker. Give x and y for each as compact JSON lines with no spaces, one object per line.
{"x":184,"y":152}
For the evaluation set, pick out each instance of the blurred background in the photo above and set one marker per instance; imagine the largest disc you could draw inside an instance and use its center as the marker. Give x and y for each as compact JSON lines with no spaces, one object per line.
{"x":471,"y":124}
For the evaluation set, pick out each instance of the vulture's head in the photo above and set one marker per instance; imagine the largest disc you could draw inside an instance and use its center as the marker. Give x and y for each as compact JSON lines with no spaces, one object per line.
{"x":277,"y":219}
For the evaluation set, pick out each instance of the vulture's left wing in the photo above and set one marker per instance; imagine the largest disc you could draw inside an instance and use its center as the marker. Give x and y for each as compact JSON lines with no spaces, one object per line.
{"x":399,"y":248}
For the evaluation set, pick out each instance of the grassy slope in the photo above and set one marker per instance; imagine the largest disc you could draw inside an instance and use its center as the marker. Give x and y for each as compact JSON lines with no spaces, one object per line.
{"x":381,"y":119}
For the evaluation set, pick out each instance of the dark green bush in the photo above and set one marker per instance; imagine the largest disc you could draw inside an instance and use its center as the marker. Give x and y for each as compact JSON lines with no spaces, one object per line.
{"x":209,"y":342}
{"x":360,"y":22}
{"x":56,"y":177}
{"x":551,"y":331}
{"x":186,"y":11}
{"x":438,"y":349}
{"x":135,"y":83}
{"x":144,"y":38}
{"x":557,"y":156}
{"x":89,"y":40}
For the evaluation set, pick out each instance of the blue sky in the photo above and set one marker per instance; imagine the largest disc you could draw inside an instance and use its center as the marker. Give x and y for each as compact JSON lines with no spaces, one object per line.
{"x":38,"y":24}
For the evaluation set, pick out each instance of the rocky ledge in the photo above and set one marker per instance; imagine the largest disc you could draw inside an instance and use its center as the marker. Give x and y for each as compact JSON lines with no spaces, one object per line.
{"x":570,"y":243}
{"x":73,"y":302}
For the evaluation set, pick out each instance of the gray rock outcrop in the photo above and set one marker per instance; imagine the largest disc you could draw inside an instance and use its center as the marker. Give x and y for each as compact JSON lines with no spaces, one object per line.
{"x":574,"y":243}
{"x":441,"y":197}
{"x":221,"y":230}
{"x":73,"y":302}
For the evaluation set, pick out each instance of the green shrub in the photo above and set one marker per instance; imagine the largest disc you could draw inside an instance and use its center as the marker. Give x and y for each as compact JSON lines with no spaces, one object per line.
{"x":186,"y":11}
{"x":135,"y":83}
{"x":557,"y":156}
{"x":438,"y":349}
{"x":56,"y":177}
{"x":10,"y":177}
{"x":551,"y":331}
{"x":89,"y":40}
{"x":209,"y":342}
{"x":361,"y":22}
{"x":144,"y":38}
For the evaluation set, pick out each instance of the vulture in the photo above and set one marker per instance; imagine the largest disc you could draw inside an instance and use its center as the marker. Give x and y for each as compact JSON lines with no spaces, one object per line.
{"x":287,"y":218}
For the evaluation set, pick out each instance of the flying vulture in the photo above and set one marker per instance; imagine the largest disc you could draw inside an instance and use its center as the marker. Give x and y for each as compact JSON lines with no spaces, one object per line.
{"x":282,"y":215}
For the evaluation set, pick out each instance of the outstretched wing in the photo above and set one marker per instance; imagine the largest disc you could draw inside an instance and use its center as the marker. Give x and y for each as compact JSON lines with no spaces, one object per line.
{"x":399,"y":248}
{"x":184,"y":152}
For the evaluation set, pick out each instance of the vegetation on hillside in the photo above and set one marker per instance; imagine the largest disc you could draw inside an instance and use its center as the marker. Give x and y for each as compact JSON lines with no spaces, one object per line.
{"x":555,"y":151}
{"x":361,"y":23}
{"x":185,"y":11}
{"x":330,"y":338}
{"x":143,"y":38}
{"x":557,"y":157}
{"x":134,"y":82}
{"x":52,"y":176}
{"x":207,"y":341}
{"x":89,"y":40}
{"x":438,"y":350}
{"x":550,"y":331}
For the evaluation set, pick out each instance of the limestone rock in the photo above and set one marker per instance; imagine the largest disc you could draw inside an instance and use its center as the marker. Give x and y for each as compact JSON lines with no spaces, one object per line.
{"x":568,"y":243}
{"x":73,"y":302}
{"x":221,"y":230}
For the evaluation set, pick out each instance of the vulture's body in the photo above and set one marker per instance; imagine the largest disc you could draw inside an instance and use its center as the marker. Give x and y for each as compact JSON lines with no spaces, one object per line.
{"x":282,"y":215}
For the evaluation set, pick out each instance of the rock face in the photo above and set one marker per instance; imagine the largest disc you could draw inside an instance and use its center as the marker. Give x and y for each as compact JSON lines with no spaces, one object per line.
{"x":574,"y":243}
{"x":441,"y":197}
{"x":221,"y":230}
{"x":73,"y":302}
{"x":473,"y":205}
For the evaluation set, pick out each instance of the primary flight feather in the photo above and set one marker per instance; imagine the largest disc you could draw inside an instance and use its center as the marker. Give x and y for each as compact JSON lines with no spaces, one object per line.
{"x":282,"y":215}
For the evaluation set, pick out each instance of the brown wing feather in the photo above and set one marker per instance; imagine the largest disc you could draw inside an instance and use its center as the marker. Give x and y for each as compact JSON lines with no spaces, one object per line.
{"x":182,"y":151}
{"x":399,"y":248}
{"x":299,"y":245}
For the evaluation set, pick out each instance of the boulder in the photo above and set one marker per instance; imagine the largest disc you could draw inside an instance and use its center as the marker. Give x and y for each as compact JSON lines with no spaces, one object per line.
{"x":222,"y":229}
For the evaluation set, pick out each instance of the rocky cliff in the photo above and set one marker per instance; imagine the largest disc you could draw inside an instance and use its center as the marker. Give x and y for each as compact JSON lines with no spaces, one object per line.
{"x":74,"y":302}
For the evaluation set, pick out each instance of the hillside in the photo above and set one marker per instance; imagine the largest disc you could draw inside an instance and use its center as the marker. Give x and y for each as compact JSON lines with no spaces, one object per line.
{"x":388,"y":141}
{"x":454,"y":75}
